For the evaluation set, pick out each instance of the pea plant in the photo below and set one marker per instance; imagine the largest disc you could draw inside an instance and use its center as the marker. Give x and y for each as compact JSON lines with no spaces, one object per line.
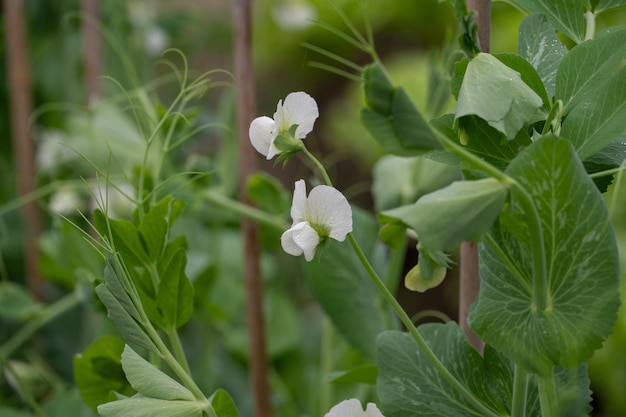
{"x":538,"y":136}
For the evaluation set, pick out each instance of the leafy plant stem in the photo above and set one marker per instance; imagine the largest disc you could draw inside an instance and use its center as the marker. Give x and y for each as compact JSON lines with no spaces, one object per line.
{"x":541,"y":295}
{"x":406,"y":320}
{"x":246,"y":210}
{"x":520,"y":392}
{"x":46,"y":315}
{"x":590,"y":20}
{"x":547,"y":395}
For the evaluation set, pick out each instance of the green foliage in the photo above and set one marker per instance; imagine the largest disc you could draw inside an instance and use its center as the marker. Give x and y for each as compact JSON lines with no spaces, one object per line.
{"x":98,"y":371}
{"x":391,"y":117}
{"x":566,"y":16}
{"x":581,"y":259}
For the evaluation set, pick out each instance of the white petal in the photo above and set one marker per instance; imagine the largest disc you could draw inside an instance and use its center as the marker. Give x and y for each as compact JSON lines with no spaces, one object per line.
{"x":347,"y":408}
{"x":299,"y":109}
{"x":262,"y":133}
{"x":328,"y":207}
{"x":300,"y":238}
{"x":372,"y":411}
{"x":299,"y":203}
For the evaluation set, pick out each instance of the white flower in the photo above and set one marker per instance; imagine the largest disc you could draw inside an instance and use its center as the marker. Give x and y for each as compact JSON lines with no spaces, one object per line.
{"x":325,"y":213}
{"x":65,"y":201}
{"x":353,"y":408}
{"x":299,"y":109}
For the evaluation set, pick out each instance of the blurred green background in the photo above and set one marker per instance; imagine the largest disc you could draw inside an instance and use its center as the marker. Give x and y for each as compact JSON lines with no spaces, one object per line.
{"x":408,"y":34}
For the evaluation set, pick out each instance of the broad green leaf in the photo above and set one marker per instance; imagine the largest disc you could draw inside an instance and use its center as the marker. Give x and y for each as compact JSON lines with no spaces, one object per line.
{"x":402,"y":180}
{"x":464,"y":210}
{"x":175,"y":296}
{"x":527,"y":72}
{"x":364,"y":374}
{"x":138,"y":406}
{"x":567,"y":16}
{"x":609,"y":157}
{"x":98,"y":371}
{"x":604,"y":5}
{"x":391,"y":117}
{"x":149,"y":381}
{"x":155,"y":225}
{"x":223,"y":404}
{"x":581,"y":258}
{"x":345,"y":291}
{"x":597,"y":121}
{"x":539,"y":45}
{"x":130,"y":330}
{"x":588,"y":66}
{"x":409,"y":385}
{"x":116,"y":278}
{"x":496,"y":93}
{"x":482,"y":139}
{"x":16,"y":303}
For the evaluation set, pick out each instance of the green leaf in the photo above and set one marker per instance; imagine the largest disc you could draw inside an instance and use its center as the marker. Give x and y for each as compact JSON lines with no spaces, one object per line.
{"x":98,"y":371}
{"x":268,"y":193}
{"x":582,"y":262}
{"x":223,"y":404}
{"x":539,"y":45}
{"x":149,"y":407}
{"x":345,"y":291}
{"x":364,"y":374}
{"x":175,"y":296}
{"x":588,"y":66}
{"x":149,"y":381}
{"x":527,"y":72}
{"x":402,"y":180}
{"x":567,"y":16}
{"x":391,"y":117}
{"x":597,"y":121}
{"x":155,"y":226}
{"x":130,"y":330}
{"x":16,"y":303}
{"x":496,"y":93}
{"x":482,"y":139}
{"x":409,"y":385}
{"x":124,"y":236}
{"x":464,"y":210}
{"x":604,"y":5}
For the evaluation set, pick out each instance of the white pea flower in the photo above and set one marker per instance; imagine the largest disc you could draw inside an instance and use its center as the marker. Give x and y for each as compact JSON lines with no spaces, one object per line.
{"x":324,"y":213}
{"x":299,"y":111}
{"x":353,"y":408}
{"x":294,"y":15}
{"x":65,"y":201}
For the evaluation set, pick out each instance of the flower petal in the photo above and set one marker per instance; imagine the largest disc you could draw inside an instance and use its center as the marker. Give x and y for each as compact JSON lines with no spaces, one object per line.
{"x":372,"y":411}
{"x":347,"y":408}
{"x":299,"y":109}
{"x":262,"y":133}
{"x":300,"y":238}
{"x":299,"y":202}
{"x":328,"y":207}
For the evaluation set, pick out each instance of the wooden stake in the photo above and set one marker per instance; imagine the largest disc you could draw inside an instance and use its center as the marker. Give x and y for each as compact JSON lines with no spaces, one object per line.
{"x":20,"y":104}
{"x":246,"y":108}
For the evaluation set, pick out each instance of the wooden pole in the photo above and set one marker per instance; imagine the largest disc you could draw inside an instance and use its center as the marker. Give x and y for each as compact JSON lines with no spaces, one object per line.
{"x":248,"y":160}
{"x":469,"y":276}
{"x":91,"y":50}
{"x":20,"y":104}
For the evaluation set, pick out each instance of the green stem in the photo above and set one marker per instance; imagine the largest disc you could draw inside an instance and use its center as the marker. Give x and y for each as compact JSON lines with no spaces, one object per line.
{"x":327,"y":364}
{"x":590,"y":20}
{"x":520,"y":392}
{"x":547,"y":395}
{"x":177,"y":347}
{"x":541,"y":294}
{"x":46,"y":315}
{"x":406,"y":320}
{"x":319,"y":165}
{"x":245,"y":210}
{"x":607,"y":172}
